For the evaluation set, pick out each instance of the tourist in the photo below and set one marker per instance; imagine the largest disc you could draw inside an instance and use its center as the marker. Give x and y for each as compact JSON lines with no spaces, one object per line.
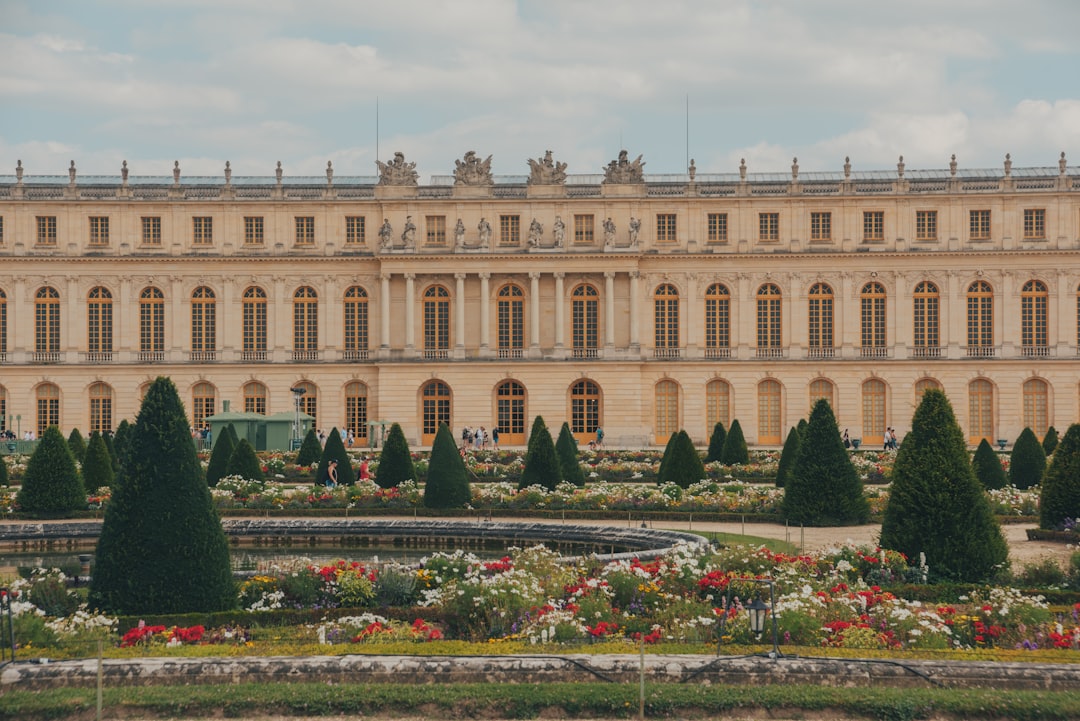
{"x":495,"y":438}
{"x":331,"y":475}
{"x":847,"y":440}
{"x":365,"y":474}
{"x":599,"y":437}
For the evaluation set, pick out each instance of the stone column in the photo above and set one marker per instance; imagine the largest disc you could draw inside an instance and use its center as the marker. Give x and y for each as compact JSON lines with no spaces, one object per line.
{"x":384,"y":311}
{"x":485,"y":315}
{"x":225,"y":316}
{"x":177,"y":331}
{"x":1007,"y":325}
{"x":275,"y":309}
{"x":534,"y":314}
{"x":127,"y":322}
{"x":459,"y":315}
{"x":635,"y":310}
{"x":410,"y":314}
{"x":954,"y":310}
{"x":744,"y":332}
{"x":898,"y":314}
{"x":1065,"y":313}
{"x":75,"y":321}
{"x":609,"y":309}
{"x":560,"y":312}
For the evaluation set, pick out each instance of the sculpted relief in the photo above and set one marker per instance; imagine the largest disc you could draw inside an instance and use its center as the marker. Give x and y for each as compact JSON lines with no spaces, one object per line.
{"x":472,"y":171}
{"x":397,"y":171}
{"x":625,"y":170}
{"x":545,"y":171}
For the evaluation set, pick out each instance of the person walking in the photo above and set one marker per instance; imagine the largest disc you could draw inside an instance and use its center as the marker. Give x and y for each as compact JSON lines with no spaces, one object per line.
{"x":599,"y":437}
{"x":331,"y":475}
{"x":495,"y":438}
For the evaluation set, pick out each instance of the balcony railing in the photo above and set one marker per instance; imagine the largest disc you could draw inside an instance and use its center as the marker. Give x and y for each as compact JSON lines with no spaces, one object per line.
{"x":202,"y":356}
{"x":873,"y":352}
{"x":509,"y":352}
{"x":253,"y":356}
{"x":770,"y":353}
{"x":981,"y":351}
{"x":717,"y":353}
{"x":818,"y":353}
{"x":924,"y":351}
{"x":667,"y":353}
{"x":1035,"y":351}
{"x":355,"y":354}
{"x":584,"y":352}
{"x":98,"y":356}
{"x":305,"y":355}
{"x":436,"y":354}
{"x":47,"y":356}
{"x":151,"y":356}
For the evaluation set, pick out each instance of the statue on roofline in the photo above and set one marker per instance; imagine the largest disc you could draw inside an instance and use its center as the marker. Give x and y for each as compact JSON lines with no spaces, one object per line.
{"x":624,"y":170}
{"x":472,"y":171}
{"x":397,"y":171}
{"x":545,"y":171}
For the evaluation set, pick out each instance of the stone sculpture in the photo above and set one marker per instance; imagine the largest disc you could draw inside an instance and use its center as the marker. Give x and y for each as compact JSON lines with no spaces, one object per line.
{"x":397,"y":171}
{"x":624,"y":170}
{"x":545,"y":171}
{"x":472,"y":171}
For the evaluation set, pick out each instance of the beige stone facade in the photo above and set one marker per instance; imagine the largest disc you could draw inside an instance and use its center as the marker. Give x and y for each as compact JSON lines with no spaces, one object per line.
{"x":666,"y":302}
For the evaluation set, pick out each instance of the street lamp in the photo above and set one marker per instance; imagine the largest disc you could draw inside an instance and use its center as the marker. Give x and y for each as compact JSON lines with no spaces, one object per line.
{"x":298,"y":394}
{"x":758,"y":610}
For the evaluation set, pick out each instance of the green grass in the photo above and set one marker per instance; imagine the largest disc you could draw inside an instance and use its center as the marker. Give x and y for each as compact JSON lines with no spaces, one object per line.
{"x":734,"y":539}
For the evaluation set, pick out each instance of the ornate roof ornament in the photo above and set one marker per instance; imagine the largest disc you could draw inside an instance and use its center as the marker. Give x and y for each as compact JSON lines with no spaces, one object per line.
{"x":472,"y":171}
{"x":545,"y":171}
{"x":71,"y":173}
{"x":624,"y":170}
{"x":397,"y":171}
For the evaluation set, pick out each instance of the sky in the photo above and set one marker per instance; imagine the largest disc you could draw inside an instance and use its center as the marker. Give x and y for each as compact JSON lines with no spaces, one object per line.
{"x":349,"y":81}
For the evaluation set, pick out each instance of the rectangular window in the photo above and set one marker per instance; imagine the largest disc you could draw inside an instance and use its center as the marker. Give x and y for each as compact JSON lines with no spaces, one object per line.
{"x":665,"y":228}
{"x":925,"y":225}
{"x":151,"y":230}
{"x":584,"y":227}
{"x":1034,"y":224}
{"x":436,"y":229}
{"x":305,"y":230}
{"x":768,"y":226}
{"x":820,"y":226}
{"x":873,"y":225}
{"x":99,"y":230}
{"x":717,"y":227}
{"x":46,"y":230}
{"x":980,"y":225}
{"x":509,"y":229}
{"x":202,"y":230}
{"x":253,"y":230}
{"x":354,"y":230}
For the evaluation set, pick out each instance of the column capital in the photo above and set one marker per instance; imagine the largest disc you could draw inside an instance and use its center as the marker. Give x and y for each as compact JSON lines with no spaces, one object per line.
{"x":635,"y":274}
{"x":385,"y":276}
{"x":485,"y":276}
{"x":534,"y":274}
{"x":460,"y":276}
{"x":559,"y":275}
{"x":410,"y":276}
{"x":609,"y":274}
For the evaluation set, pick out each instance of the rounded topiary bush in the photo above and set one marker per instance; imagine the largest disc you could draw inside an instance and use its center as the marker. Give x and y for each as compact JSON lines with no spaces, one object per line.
{"x":988,"y":468}
{"x":395,"y":461}
{"x":716,"y":443}
{"x":447,"y":484}
{"x":77,"y":444}
{"x":310,"y":450}
{"x":684,"y":466}
{"x":97,"y":468}
{"x":51,"y":483}
{"x":1028,"y":462}
{"x":218,"y":465}
{"x":244,"y":463}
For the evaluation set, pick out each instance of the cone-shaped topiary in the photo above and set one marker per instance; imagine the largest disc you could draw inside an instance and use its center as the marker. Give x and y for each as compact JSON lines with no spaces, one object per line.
{"x":801,"y":427}
{"x":244,"y":463}
{"x":310,"y":450}
{"x":735,"y":450}
{"x":987,"y":466}
{"x":395,"y":462}
{"x":541,"y":463}
{"x":51,"y":483}
{"x":787,"y":457}
{"x":1050,"y":441}
{"x":5,"y":480}
{"x":77,"y":445}
{"x":566,"y":449}
{"x":1060,"y":495}
{"x":122,"y":440}
{"x":112,"y":451}
{"x":661,"y":471}
{"x":684,"y":465}
{"x":217,"y":466}
{"x":823,"y":488}
{"x":1028,"y":462}
{"x":162,"y":549}
{"x":97,"y":470}
{"x":447,"y":484}
{"x":936,"y":505}
{"x":335,"y":450}
{"x":716,"y":443}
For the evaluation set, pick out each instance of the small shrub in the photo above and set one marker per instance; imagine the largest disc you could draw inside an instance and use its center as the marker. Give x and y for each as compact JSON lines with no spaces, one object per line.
{"x":716,"y":443}
{"x":396,"y":587}
{"x":218,"y":465}
{"x":244,"y":463}
{"x":541,"y":464}
{"x":77,"y":444}
{"x":1028,"y":461}
{"x":1050,"y":440}
{"x":395,"y":461}
{"x":310,"y":450}
{"x":735,"y":450}
{"x":988,"y":468}
{"x":1044,"y":573}
{"x":49,"y":593}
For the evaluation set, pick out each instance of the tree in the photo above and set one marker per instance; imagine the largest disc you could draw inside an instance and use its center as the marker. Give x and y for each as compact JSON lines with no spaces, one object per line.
{"x":716,"y":443}
{"x":122,"y":440}
{"x":684,"y":466}
{"x":665,"y":458}
{"x":566,"y":449}
{"x":937,"y":506}
{"x":395,"y":462}
{"x":97,"y":469}
{"x":162,"y":549}
{"x":77,"y":445}
{"x":447,"y":484}
{"x":823,"y":487}
{"x":4,"y":479}
{"x":244,"y":463}
{"x":112,"y":451}
{"x":310,"y":450}
{"x":541,"y":463}
{"x":1060,"y":494}
{"x":1050,"y":441}
{"x":218,"y":465}
{"x":787,"y":457}
{"x":1028,"y":462}
{"x":51,"y":483}
{"x":987,"y":466}
{"x":735,"y":451}
{"x":335,"y":450}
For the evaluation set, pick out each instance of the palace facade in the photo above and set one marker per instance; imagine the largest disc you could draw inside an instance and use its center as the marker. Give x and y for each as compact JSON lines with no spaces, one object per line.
{"x":639,"y":303}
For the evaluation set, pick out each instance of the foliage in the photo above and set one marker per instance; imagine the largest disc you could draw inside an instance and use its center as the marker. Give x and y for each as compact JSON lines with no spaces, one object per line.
{"x":1050,"y":441}
{"x":112,"y":452}
{"x":937,"y":508}
{"x":4,"y":479}
{"x":566,"y":448}
{"x":447,"y":484}
{"x":787,"y":457}
{"x":661,"y":471}
{"x":716,"y":443}
{"x":395,"y":461}
{"x":735,"y":450}
{"x":162,"y":548}
{"x":1060,"y":497}
{"x":51,"y":484}
{"x":121,"y":441}
{"x":684,"y":466}
{"x":541,"y":464}
{"x":97,"y":468}
{"x":76,"y":444}
{"x":310,"y":449}
{"x":218,"y":467}
{"x":823,"y":488}
{"x":244,"y":463}
{"x":988,"y":467}
{"x":334,"y":450}
{"x":1028,"y":462}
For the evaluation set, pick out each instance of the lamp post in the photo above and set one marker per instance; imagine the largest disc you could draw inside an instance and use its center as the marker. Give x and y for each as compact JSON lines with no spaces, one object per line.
{"x":298,"y":394}
{"x":758,"y":610}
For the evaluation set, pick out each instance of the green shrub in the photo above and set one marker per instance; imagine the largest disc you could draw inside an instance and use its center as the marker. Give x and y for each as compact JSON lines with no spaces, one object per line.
{"x":541,"y":464}
{"x":4,"y":479}
{"x":395,"y":461}
{"x":51,"y":483}
{"x":1059,"y":498}
{"x":735,"y":450}
{"x":50,"y":593}
{"x":447,"y":484}
{"x":244,"y":463}
{"x":310,"y":450}
{"x":76,"y":444}
{"x":112,"y":452}
{"x":987,"y":465}
{"x":218,"y":465}
{"x":716,"y":443}
{"x":121,"y":441}
{"x":566,"y":449}
{"x":661,"y":471}
{"x":787,"y":457}
{"x":1041,"y":574}
{"x":684,"y":466}
{"x":97,"y":469}
{"x":395,"y":587}
{"x":1050,"y":440}
{"x":335,"y":450}
{"x":1028,"y":462}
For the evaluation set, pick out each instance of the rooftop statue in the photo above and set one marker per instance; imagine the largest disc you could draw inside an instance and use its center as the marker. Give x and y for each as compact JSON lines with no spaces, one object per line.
{"x":472,"y":171}
{"x":397,"y":171}
{"x":625,"y":171}
{"x":545,"y":171}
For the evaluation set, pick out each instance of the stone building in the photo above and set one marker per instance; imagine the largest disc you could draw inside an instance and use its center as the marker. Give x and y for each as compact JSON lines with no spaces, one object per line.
{"x":639,"y":303}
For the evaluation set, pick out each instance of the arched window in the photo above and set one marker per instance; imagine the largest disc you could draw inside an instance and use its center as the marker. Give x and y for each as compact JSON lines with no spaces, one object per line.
{"x":769,"y":417}
{"x":925,"y":307}
{"x":99,"y":324}
{"x":717,"y":404}
{"x":1034,"y":303}
{"x":584,"y":410}
{"x":980,"y":319}
{"x":980,"y":411}
{"x":254,"y":324}
{"x":203,"y":324}
{"x":510,"y":309}
{"x":203,"y":403}
{"x":101,"y":408}
{"x":356,"y":410}
{"x":151,"y":325}
{"x":309,"y":401}
{"x":768,"y":321}
{"x":872,"y":300}
{"x":820,"y":318}
{"x":924,"y":384}
{"x":873,"y":411}
{"x":585,"y":320}
{"x":510,"y":412}
{"x":3,"y":326}
{"x":437,"y":409}
{"x":1036,"y":406}
{"x":356,"y":324}
{"x":47,"y":325}
{"x":666,"y":394}
{"x":717,"y":322}
{"x":305,"y":324}
{"x":255,"y":398}
{"x":666,"y":319}
{"x":822,"y":388}
{"x":48,"y":407}
{"x":436,"y":324}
